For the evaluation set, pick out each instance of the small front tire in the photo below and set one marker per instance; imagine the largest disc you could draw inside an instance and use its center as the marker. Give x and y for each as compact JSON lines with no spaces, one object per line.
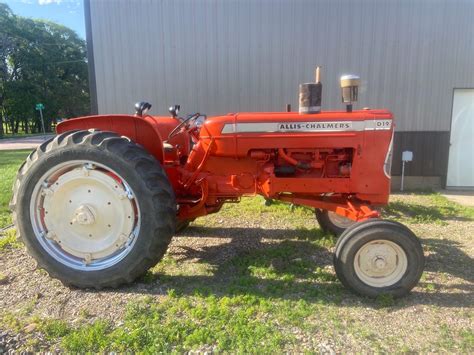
{"x":331,"y":222}
{"x":377,"y":257}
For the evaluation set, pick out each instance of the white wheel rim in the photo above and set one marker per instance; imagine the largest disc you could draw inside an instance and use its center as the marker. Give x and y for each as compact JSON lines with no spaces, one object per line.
{"x":340,"y":221}
{"x":380,"y":263}
{"x":84,"y":215}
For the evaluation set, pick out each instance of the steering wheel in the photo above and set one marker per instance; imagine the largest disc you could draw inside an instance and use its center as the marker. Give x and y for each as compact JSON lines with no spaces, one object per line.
{"x":182,"y":124}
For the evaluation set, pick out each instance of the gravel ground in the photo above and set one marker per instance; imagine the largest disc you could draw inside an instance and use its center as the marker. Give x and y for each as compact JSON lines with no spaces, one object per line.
{"x":444,"y":296}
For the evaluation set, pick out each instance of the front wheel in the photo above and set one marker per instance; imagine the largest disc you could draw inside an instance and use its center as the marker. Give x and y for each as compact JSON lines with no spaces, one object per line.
{"x":379,"y":257}
{"x":94,"y":209}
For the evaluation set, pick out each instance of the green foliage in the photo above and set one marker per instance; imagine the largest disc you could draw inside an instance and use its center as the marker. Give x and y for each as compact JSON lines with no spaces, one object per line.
{"x":467,"y":339}
{"x":54,"y":328}
{"x":91,"y":338}
{"x":10,"y":161}
{"x":257,"y":205}
{"x":178,"y":324}
{"x":40,"y":61}
{"x":8,"y":241}
{"x":449,"y":341}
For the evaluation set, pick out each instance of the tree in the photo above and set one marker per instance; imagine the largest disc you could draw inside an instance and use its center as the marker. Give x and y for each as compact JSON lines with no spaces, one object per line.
{"x":7,"y":45}
{"x":40,"y":61}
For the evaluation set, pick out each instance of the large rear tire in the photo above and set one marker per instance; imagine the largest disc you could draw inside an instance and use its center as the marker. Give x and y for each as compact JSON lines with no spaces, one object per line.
{"x":379,"y":257}
{"x":93,"y":209}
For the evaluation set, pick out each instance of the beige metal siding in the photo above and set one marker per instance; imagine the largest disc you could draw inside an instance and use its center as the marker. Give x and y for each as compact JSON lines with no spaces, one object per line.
{"x":226,"y":55}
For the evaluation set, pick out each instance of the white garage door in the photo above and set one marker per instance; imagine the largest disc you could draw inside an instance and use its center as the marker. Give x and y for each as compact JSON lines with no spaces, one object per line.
{"x":461,"y":151}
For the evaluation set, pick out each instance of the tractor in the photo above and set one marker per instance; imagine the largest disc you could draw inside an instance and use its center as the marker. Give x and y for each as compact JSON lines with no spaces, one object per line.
{"x":97,"y":205}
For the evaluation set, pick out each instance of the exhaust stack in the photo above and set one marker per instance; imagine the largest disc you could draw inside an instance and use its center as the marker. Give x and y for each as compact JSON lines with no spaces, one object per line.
{"x":310,"y":95}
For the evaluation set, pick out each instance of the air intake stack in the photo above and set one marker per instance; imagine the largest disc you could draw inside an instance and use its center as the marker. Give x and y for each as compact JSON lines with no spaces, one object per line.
{"x":310,"y":95}
{"x":349,"y":90}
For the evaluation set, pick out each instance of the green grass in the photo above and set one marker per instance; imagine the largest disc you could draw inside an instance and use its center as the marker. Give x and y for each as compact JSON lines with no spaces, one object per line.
{"x":426,"y":208}
{"x":8,"y":241}
{"x":463,"y":342}
{"x":54,"y":328}
{"x":234,"y":324}
{"x":254,"y":207}
{"x":10,"y":161}
{"x":179,"y":324}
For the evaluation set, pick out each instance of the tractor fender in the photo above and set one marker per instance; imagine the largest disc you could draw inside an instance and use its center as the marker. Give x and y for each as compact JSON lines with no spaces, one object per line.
{"x":142,"y":130}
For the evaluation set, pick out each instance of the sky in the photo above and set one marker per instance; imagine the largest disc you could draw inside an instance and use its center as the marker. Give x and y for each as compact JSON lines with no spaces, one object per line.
{"x":69,"y":13}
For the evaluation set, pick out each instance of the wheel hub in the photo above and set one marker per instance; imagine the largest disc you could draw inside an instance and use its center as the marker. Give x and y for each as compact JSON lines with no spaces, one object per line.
{"x":380,"y":263}
{"x":86,"y":215}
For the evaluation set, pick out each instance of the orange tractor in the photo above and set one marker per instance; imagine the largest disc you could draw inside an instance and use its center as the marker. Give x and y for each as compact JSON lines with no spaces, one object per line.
{"x":98,"y":204}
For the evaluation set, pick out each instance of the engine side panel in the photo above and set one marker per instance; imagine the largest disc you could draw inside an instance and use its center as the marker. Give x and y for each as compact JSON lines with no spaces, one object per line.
{"x":335,"y":152}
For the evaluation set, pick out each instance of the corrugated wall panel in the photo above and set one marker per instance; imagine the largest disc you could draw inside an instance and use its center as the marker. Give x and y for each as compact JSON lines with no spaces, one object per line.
{"x":218,"y":56}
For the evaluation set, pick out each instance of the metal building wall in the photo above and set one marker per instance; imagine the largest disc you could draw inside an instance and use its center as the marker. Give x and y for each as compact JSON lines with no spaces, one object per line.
{"x":218,"y":56}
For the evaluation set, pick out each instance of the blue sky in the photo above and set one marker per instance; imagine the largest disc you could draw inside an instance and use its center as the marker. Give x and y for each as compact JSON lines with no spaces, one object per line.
{"x":66,"y":12}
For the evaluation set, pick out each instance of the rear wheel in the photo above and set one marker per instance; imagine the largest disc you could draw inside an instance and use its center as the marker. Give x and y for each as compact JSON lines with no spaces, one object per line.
{"x":379,"y":257}
{"x":94,"y":209}
{"x":332,"y":222}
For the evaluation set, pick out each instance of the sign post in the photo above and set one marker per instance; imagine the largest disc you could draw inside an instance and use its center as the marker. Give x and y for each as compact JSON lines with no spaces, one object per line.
{"x":40,"y":107}
{"x":406,"y":157}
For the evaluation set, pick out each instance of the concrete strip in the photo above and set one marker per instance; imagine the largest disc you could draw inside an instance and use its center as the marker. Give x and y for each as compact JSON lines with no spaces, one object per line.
{"x":465,"y":198}
{"x":23,"y":143}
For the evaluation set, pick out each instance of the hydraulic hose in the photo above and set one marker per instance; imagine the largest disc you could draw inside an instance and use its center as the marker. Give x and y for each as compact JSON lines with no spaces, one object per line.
{"x":292,"y":161}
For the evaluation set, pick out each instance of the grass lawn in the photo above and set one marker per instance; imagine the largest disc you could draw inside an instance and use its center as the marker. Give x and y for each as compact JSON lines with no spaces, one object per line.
{"x":250,"y":279}
{"x":10,"y":160}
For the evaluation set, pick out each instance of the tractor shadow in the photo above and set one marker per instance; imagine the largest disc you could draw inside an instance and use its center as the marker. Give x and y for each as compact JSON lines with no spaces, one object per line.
{"x":287,"y":264}
{"x":446,"y":257}
{"x":256,"y":245}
